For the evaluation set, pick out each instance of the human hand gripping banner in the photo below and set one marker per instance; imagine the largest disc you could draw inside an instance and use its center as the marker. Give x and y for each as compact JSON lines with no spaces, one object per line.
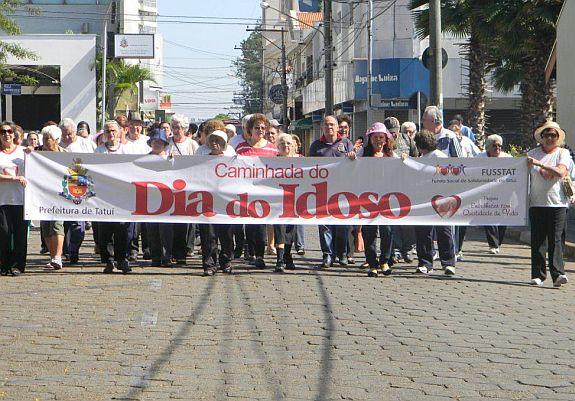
{"x":247,"y":190}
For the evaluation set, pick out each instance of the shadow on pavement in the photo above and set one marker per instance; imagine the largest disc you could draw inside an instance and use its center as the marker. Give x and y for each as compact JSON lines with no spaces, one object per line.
{"x":326,"y":357}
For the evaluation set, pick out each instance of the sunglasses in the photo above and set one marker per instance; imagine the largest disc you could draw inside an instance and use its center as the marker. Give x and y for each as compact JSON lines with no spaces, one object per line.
{"x":5,"y":131}
{"x":550,"y":136}
{"x":496,"y":145}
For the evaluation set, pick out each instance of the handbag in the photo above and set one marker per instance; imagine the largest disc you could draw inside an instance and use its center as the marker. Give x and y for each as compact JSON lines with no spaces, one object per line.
{"x":568,"y":186}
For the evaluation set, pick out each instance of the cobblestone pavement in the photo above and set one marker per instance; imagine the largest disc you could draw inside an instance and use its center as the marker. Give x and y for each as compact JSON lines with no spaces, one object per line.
{"x":159,"y":334}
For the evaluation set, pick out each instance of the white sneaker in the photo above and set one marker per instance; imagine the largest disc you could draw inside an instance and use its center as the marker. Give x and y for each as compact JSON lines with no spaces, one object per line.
{"x":436,"y":256}
{"x":449,"y":270}
{"x":537,"y":281}
{"x":459,"y":256}
{"x":559,"y":281}
{"x":421,"y":269}
{"x":494,"y":251}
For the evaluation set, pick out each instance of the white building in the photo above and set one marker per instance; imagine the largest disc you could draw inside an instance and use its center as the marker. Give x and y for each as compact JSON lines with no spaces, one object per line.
{"x":398,"y":71}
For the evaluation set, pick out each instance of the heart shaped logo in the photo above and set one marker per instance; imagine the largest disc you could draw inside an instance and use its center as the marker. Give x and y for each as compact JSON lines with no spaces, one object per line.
{"x":446,"y":206}
{"x":12,"y":170}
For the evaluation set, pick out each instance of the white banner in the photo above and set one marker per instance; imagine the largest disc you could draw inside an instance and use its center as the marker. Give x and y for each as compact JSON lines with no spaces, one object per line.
{"x":242,"y":190}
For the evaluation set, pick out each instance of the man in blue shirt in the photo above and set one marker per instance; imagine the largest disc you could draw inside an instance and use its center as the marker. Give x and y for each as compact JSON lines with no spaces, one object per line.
{"x":446,"y":140}
{"x":332,"y":144}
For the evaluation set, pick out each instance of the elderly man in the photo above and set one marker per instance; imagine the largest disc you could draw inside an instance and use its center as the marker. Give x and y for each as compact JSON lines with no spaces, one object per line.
{"x":409,"y":128}
{"x":446,"y":140}
{"x":332,"y":144}
{"x":136,"y":142}
{"x":108,"y":231}
{"x":179,"y":144}
{"x":75,"y":231}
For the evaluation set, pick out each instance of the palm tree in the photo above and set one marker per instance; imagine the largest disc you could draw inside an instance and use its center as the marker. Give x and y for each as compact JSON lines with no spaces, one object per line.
{"x":524,"y":33}
{"x":123,"y":78}
{"x":464,"y":18}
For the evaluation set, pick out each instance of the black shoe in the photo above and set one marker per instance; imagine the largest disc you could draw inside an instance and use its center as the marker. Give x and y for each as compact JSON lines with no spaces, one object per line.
{"x":14,"y":272}
{"x":180,"y":262}
{"x":166,"y":263}
{"x":280,"y":267}
{"x":109,"y":269}
{"x":156,"y":263}
{"x":372,"y":273}
{"x":351,"y":261}
{"x":237,"y":253}
{"x":407,"y":258}
{"x":4,"y":272}
{"x":147,"y":255}
{"x":125,"y":267}
{"x":260,"y":263}
{"x":227,"y":268}
{"x":301,"y":252}
{"x":326,"y":262}
{"x":249,"y":258}
{"x":73,"y":259}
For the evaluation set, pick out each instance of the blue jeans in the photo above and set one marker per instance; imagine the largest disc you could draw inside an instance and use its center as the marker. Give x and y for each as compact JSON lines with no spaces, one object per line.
{"x":75,"y":233}
{"x":300,"y":237}
{"x":333,"y":240}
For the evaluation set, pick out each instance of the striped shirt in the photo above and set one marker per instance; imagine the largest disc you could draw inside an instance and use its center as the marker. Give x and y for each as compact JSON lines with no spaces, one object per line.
{"x":245,"y":149}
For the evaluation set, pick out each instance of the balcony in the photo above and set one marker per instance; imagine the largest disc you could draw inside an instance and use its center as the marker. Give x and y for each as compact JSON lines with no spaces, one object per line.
{"x":148,"y":7}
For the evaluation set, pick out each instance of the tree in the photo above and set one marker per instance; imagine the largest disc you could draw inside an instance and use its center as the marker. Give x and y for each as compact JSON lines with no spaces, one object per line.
{"x":464,"y":18}
{"x":122,"y":78}
{"x":8,"y":26}
{"x":524,"y":34}
{"x":249,"y":71}
{"x":222,"y":117}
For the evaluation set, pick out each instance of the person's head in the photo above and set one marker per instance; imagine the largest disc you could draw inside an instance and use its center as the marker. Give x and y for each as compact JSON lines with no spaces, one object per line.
{"x":297,"y":143}
{"x":68,"y":127}
{"x":158,"y":141}
{"x":330,"y":127}
{"x":7,"y":134}
{"x":192,"y":129}
{"x":230,"y":130}
{"x":257,"y":126}
{"x":425,"y":141}
{"x":33,"y":140}
{"x":179,"y":125}
{"x":392,"y":125}
{"x":135,"y":127}
{"x":167,"y":128}
{"x":459,"y":119}
{"x":112,"y":132}
{"x":432,"y":119}
{"x":245,"y":120}
{"x":272,"y":134}
{"x":18,"y":134}
{"x":379,"y":140}
{"x":286,"y":145}
{"x":493,"y":145}
{"x":217,"y":141}
{"x":455,"y":126}
{"x":409,"y":128}
{"x":83,"y":129}
{"x":344,"y":125}
{"x":51,"y":136}
{"x":550,"y":135}
{"x":209,"y":127}
{"x":122,"y":121}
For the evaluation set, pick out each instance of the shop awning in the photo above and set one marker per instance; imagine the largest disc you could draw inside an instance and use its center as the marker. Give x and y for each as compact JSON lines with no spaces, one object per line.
{"x":302,"y":124}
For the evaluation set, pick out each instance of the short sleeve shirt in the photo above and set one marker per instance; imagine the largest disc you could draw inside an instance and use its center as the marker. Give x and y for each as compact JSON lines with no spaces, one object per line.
{"x":81,"y":145}
{"x":12,"y":192}
{"x":548,"y":192}
{"x":245,"y":149}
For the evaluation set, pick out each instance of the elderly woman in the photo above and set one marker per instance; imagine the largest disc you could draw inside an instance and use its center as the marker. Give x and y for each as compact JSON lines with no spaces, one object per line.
{"x":53,"y":231}
{"x":380,"y":143}
{"x":285,"y":234}
{"x":494,"y":234}
{"x":211,"y":234}
{"x":548,"y":203}
{"x":257,"y":145}
{"x":13,"y":227}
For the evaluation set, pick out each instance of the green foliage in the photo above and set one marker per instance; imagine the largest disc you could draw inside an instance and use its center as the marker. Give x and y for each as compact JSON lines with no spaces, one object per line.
{"x":249,"y":71}
{"x":222,"y":117}
{"x":122,"y":78}
{"x":10,"y":28}
{"x":517,"y":150}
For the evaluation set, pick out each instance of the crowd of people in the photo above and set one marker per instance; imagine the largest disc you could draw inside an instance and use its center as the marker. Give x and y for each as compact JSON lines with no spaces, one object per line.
{"x":165,"y":244}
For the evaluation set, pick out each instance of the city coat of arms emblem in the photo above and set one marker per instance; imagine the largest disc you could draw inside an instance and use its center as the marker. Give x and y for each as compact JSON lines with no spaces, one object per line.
{"x":77,"y":185}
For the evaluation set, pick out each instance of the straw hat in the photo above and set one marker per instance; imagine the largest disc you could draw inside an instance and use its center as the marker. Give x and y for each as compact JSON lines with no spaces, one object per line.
{"x":553,"y":125}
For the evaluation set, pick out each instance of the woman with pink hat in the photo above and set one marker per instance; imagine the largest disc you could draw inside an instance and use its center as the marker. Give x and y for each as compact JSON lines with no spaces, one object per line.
{"x":380,"y":143}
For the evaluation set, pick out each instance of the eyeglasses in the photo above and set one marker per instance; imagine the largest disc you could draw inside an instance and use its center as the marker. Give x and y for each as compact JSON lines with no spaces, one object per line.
{"x":549,"y":136}
{"x":496,"y":145}
{"x":6,"y":131}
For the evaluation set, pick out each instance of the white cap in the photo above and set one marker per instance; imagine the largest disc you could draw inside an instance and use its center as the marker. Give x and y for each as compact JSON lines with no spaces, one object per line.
{"x":231,"y":127}
{"x":54,"y":131}
{"x":274,"y":123}
{"x":220,"y":134}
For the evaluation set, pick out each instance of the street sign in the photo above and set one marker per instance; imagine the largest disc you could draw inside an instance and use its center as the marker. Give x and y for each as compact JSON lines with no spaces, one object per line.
{"x":276,"y":94}
{"x":394,"y":104}
{"x":425,"y":58}
{"x":134,"y":45}
{"x":12,"y":89}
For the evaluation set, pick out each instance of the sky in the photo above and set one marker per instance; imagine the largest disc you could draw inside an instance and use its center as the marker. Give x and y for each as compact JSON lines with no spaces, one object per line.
{"x":198,"y":57}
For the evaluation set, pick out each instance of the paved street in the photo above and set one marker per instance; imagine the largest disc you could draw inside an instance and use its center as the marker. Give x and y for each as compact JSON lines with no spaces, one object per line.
{"x":161,"y":334}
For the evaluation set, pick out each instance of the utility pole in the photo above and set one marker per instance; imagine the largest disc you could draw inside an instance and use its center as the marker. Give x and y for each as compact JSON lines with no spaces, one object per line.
{"x":328,"y":54}
{"x":369,"y":64}
{"x":435,"y":53}
{"x":284,"y":84}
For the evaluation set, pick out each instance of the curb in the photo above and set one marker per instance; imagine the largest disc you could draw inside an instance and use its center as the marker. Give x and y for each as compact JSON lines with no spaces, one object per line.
{"x":523,"y":235}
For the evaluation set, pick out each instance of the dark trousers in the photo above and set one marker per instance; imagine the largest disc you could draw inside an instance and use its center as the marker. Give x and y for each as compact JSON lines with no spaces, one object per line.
{"x":424,"y":242}
{"x":351,"y":236}
{"x":370,"y":243}
{"x":494,"y":235}
{"x":458,"y":237}
{"x":284,"y":234}
{"x":239,"y":238}
{"x":547,"y":225}
{"x":75,"y":233}
{"x":256,"y":238}
{"x":333,"y":240}
{"x":210,"y":235}
{"x":118,"y":233}
{"x":13,"y":237}
{"x":180,"y":242}
{"x":191,"y":238}
{"x":161,"y":239}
